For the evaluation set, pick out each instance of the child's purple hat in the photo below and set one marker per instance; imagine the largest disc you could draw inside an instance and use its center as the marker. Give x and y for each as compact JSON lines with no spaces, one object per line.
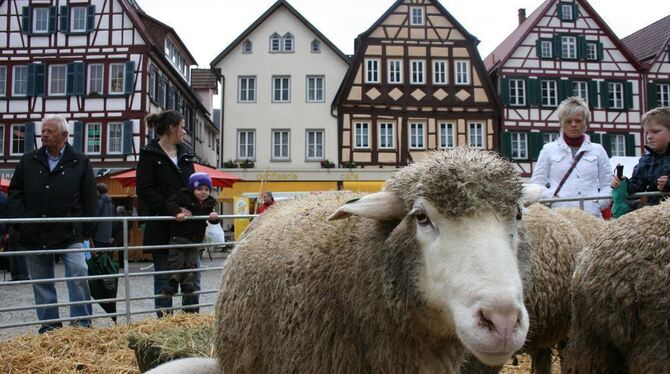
{"x":199,"y":179}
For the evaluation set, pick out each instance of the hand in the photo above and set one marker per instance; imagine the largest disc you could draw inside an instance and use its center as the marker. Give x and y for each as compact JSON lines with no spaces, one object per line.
{"x":213,"y":216}
{"x":662,"y":181}
{"x":616,"y":182}
{"x":186,"y":212}
{"x":181,"y":216}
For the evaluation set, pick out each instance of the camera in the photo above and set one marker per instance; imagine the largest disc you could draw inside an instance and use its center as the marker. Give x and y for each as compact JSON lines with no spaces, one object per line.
{"x":619,"y":171}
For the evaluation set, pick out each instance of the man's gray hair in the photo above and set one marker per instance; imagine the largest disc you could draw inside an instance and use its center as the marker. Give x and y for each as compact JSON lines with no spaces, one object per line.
{"x":573,"y":106}
{"x":60,"y":120}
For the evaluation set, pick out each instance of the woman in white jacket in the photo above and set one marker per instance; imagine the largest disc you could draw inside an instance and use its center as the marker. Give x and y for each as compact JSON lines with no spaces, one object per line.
{"x":591,"y":175}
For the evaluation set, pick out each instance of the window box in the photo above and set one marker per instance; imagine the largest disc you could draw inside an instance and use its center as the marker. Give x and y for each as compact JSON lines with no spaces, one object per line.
{"x":326,"y":164}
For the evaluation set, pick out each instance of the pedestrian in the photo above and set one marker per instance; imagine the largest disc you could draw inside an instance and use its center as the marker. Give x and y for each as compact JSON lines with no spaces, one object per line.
{"x":55,"y":181}
{"x":103,"y":229}
{"x":164,"y":168}
{"x":17,"y":264}
{"x":267,"y":201}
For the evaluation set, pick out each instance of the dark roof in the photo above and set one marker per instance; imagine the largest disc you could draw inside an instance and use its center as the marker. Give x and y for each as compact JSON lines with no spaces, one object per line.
{"x":262,"y":19}
{"x":203,"y":78}
{"x":646,"y":43}
{"x":151,"y":23}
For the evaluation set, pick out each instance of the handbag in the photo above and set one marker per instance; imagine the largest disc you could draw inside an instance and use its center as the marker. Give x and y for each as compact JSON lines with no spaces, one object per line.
{"x":214,"y":233}
{"x":567,"y":174}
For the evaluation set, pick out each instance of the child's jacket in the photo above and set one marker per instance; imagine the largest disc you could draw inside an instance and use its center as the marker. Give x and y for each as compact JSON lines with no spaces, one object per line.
{"x":193,"y":230}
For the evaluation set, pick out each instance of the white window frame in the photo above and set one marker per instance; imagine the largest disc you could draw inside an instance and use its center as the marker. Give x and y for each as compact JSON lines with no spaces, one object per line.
{"x":440,"y":72}
{"x":447,"y":135}
{"x":57,"y":76}
{"x":110,"y":138}
{"x":395,"y":71}
{"x":567,"y":12}
{"x":546,"y":49}
{"x":615,"y":95}
{"x":549,"y":93}
{"x":23,"y":82}
{"x":12,"y":150}
{"x":519,"y":146}
{"x":122,"y":78}
{"x":284,"y":144}
{"x":284,"y":87}
{"x":386,"y":135}
{"x":312,"y":142}
{"x":591,"y":51}
{"x":87,"y":138}
{"x":315,"y":46}
{"x":462,"y":69}
{"x":288,"y":43}
{"x":249,"y":146}
{"x":42,"y":11}
{"x":315,"y":94}
{"x":101,"y":80}
{"x":247,"y":47}
{"x":82,"y":21}
{"x":581,"y":89}
{"x":361,"y":135}
{"x":569,"y":47}
{"x":548,"y":137}
{"x":417,"y":73}
{"x":476,"y":137}
{"x":248,"y":90}
{"x":663,"y":94}
{"x":3,"y":81}
{"x":275,"y":43}
{"x":618,"y":145}
{"x":517,"y":92}
{"x":417,"y":135}
{"x":417,"y":16}
{"x":372,"y":70}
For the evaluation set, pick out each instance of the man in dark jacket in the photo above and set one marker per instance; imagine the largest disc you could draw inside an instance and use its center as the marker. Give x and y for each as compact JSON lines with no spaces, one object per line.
{"x":103,"y":230}
{"x":55,"y":181}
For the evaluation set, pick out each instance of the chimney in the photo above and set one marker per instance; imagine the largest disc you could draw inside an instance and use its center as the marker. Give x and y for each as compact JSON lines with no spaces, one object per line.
{"x":522,"y":15}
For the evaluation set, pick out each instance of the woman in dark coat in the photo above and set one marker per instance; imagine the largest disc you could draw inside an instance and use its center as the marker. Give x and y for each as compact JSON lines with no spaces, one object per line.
{"x":164,"y":168}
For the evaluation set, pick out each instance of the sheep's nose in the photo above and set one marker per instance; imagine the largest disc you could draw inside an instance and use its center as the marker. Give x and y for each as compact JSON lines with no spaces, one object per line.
{"x":501,"y":323}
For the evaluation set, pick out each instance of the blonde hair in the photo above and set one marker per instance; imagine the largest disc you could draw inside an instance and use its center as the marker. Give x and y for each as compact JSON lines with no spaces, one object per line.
{"x":660,"y":115}
{"x":571,"y":107}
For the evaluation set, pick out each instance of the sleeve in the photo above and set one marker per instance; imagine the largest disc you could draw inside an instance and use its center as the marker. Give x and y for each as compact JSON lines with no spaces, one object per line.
{"x":173,"y":205}
{"x":605,"y":176}
{"x":16,"y":197}
{"x":541,"y":170}
{"x":636,"y":182}
{"x":146,"y":186}
{"x":89,"y":201}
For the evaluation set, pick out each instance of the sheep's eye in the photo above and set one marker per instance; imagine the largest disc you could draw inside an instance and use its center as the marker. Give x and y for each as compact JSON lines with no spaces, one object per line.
{"x":422,"y":218}
{"x":518,"y":213}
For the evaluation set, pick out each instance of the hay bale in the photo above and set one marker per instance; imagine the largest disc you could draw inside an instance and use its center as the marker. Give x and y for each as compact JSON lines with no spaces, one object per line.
{"x":157,"y":348}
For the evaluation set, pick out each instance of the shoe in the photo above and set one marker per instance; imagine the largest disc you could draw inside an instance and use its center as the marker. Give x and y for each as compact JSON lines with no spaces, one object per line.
{"x":46,"y":328}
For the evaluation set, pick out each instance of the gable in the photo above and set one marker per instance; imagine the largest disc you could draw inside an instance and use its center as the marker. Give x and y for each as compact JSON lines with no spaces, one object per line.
{"x":398,"y":25}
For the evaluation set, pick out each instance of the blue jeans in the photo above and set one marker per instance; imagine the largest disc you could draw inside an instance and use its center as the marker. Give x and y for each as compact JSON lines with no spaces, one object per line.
{"x":42,"y":267}
{"x":160,"y":260}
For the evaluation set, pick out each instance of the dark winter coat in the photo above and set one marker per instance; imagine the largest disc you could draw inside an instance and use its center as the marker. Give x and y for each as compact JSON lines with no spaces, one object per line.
{"x":193,"y":230}
{"x":67,"y":191}
{"x":645,"y":175}
{"x":103,"y":229}
{"x":158,"y":178}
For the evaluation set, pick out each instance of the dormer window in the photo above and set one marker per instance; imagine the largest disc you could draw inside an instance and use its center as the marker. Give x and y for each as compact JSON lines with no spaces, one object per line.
{"x":247,"y":47}
{"x":416,"y":16}
{"x":288,"y":43}
{"x":315,"y":46}
{"x":568,"y":12}
{"x":275,"y":43}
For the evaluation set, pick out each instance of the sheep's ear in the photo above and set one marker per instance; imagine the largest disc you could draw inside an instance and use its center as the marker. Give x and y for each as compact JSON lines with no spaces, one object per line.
{"x":531,"y":194}
{"x":382,"y":206}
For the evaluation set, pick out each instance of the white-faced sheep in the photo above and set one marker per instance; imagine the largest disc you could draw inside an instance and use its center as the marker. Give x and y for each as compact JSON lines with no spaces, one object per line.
{"x":621,"y":298}
{"x":416,"y":275}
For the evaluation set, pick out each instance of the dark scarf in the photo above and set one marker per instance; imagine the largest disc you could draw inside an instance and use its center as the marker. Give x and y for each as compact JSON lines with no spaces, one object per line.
{"x":574,"y":142}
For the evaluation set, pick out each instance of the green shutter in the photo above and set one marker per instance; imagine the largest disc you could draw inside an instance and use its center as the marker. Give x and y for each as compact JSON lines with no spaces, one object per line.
{"x":504,"y":90}
{"x":538,"y":48}
{"x":581,"y":47}
{"x":75,"y":79}
{"x":559,"y":11}
{"x":533,"y":92}
{"x":534,"y":145}
{"x":600,"y":51}
{"x":630,"y":145}
{"x":130,"y":77}
{"x":90,"y":18}
{"x":127,"y":137}
{"x":628,"y":95}
{"x":606,"y":142}
{"x":40,"y":80}
{"x":69,"y":90}
{"x":52,"y":19}
{"x":653,"y":98}
{"x":564,"y":89}
{"x":78,"y":138}
{"x":26,"y":18}
{"x":557,"y":47}
{"x":593,"y":94}
{"x":64,"y":20}
{"x":507,"y":144}
{"x":30,"y":137}
{"x":604,"y":95}
{"x":30,"y":83}
{"x":575,"y":11}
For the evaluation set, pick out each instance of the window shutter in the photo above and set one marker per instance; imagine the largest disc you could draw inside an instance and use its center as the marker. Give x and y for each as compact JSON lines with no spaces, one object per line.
{"x":30,"y":137}
{"x":630,"y":145}
{"x":653,"y":98}
{"x":40,"y":80}
{"x":52,"y":19}
{"x":75,"y":79}
{"x":581,"y":47}
{"x":628,"y":95}
{"x":557,"y":46}
{"x":606,"y":142}
{"x":533,"y":92}
{"x":600,"y":51}
{"x":90,"y":18}
{"x":70,"y":79}
{"x":78,"y":139}
{"x":130,"y":77}
{"x":64,"y":19}
{"x":593,"y":94}
{"x":507,"y":144}
{"x":30,"y":83}
{"x":128,"y":137}
{"x":575,"y":11}
{"x":604,"y":95}
{"x":504,"y":91}
{"x":538,"y":48}
{"x":534,"y":145}
{"x":564,"y":89}
{"x":559,"y":10}
{"x":170,"y":99}
{"x":26,"y":18}
{"x":161,"y":91}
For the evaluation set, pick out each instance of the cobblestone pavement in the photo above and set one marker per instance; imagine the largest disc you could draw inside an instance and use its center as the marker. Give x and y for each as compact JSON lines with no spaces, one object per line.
{"x":22,"y":295}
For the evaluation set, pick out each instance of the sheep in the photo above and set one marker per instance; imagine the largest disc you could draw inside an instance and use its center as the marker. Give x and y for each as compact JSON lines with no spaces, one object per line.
{"x":193,"y":365}
{"x":621,"y":298}
{"x":587,"y":224}
{"x":416,"y":275}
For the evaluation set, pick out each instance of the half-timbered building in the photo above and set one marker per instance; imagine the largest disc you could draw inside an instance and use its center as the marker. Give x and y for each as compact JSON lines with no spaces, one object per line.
{"x":103,"y":64}
{"x":564,"y":48}
{"x":416,"y":83}
{"x":651,"y":46}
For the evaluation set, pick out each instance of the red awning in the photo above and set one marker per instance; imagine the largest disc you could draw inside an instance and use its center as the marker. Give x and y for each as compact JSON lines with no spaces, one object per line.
{"x":219,"y":178}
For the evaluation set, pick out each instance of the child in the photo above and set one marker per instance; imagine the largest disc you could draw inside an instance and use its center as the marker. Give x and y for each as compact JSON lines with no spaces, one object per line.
{"x":192,"y":201}
{"x":651,"y":173}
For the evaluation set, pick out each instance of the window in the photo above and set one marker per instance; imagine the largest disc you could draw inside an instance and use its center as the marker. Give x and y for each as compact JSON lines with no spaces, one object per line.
{"x":591,"y":51}
{"x":517,"y":92}
{"x":3,"y":82}
{"x":78,"y":19}
{"x":546,"y":49}
{"x":151,"y":85}
{"x":93,"y":138}
{"x":615,"y":95}
{"x":280,"y":144}
{"x":288,"y":43}
{"x":247,"y":47}
{"x":41,"y":20}
{"x":362,"y":135}
{"x":57,"y":79}
{"x":2,"y":139}
{"x":440,"y":72}
{"x":569,"y":47}
{"x":275,"y":43}
{"x":581,"y":89}
{"x":447,"y":135}
{"x":315,"y":89}
{"x":117,"y":78}
{"x":315,"y":46}
{"x":567,"y":12}
{"x":417,"y":136}
{"x":246,"y":144}
{"x":416,"y":17}
{"x":20,"y":81}
{"x":246,"y":89}
{"x":519,"y":146}
{"x":386,"y":136}
{"x":663,"y":95}
{"x":371,"y":71}
{"x":315,"y":142}
{"x":395,"y":71}
{"x":18,"y":139}
{"x":462,"y":72}
{"x":618,"y":145}
{"x":549,"y":137}
{"x":96,"y":76}
{"x":115,"y":138}
{"x":549,"y":93}
{"x":281,"y":89}
{"x":418,"y":72}
{"x":476,"y":135}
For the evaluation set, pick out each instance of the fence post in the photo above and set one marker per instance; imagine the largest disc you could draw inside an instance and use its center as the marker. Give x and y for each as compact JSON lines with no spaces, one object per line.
{"x":126,"y":276}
